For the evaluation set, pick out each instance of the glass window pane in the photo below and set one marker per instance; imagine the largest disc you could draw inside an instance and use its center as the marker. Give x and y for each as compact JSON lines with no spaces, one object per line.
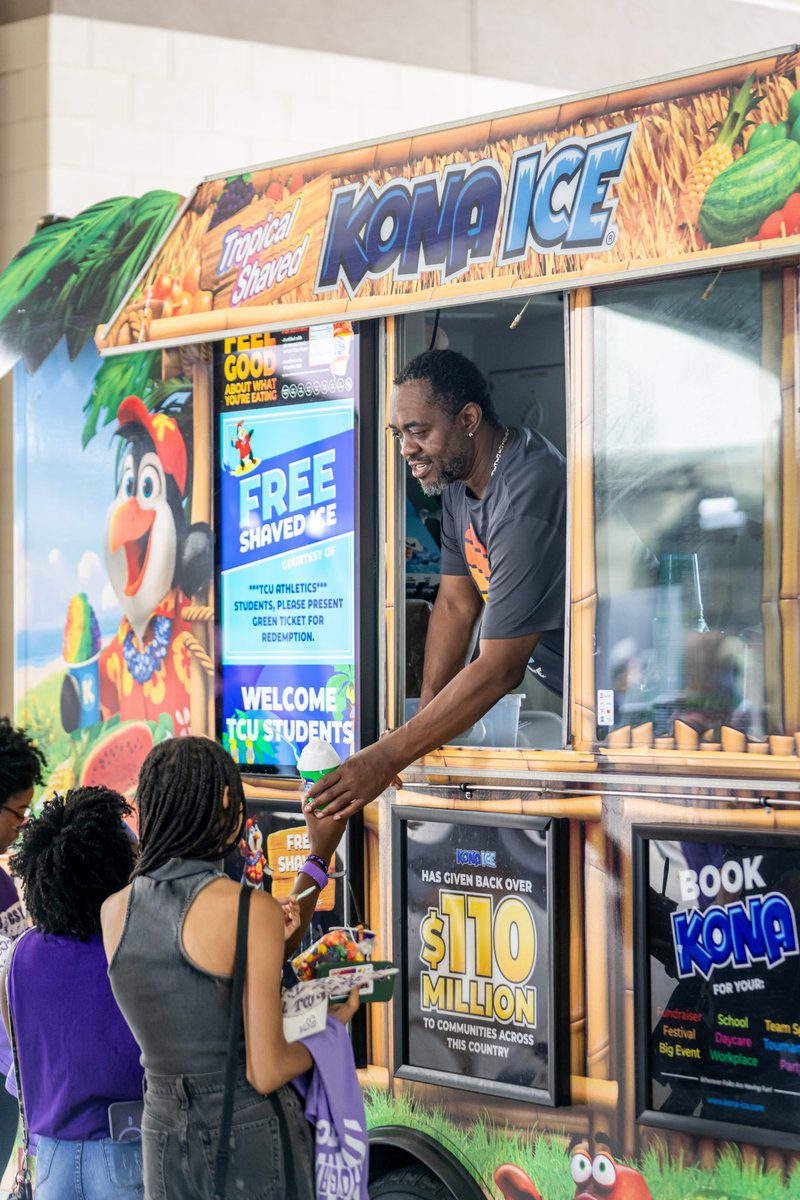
{"x":687,"y":500}
{"x":523,"y":364}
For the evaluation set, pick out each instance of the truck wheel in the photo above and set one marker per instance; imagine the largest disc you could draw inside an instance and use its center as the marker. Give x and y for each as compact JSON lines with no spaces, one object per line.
{"x":409,"y":1183}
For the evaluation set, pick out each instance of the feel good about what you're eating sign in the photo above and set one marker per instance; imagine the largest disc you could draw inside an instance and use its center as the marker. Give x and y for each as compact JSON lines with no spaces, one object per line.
{"x":286,"y":521}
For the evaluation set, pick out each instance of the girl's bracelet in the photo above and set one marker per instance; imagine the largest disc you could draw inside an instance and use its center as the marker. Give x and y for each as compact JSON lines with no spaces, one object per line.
{"x":315,"y":858}
{"x":316,"y":873}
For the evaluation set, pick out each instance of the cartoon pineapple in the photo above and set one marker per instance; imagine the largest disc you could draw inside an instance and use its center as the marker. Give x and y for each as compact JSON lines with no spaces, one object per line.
{"x":61,"y":779}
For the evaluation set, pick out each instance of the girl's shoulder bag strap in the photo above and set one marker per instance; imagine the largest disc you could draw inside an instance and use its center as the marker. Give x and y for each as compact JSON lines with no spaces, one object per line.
{"x":231,"y":1065}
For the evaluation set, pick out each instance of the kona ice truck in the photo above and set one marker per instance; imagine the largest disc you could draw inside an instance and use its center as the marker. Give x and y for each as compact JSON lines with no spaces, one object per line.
{"x":593,"y":903}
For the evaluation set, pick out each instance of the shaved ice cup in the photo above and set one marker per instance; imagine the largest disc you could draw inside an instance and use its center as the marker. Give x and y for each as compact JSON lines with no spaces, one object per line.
{"x":87,"y":678}
{"x":310,"y":777}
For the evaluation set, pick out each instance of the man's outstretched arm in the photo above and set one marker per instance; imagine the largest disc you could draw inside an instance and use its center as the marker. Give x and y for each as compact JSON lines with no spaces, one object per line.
{"x":450,"y":631}
{"x":471,"y":693}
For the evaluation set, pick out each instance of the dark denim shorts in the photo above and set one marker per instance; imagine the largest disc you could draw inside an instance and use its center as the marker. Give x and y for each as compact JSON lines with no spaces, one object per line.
{"x":271,"y":1149}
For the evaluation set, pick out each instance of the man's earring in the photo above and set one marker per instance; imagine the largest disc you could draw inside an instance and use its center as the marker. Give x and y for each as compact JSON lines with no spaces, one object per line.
{"x":471,"y":433}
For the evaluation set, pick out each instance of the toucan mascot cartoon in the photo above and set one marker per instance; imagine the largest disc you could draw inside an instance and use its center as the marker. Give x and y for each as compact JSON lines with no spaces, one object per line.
{"x":155,"y":561}
{"x":242,"y":444}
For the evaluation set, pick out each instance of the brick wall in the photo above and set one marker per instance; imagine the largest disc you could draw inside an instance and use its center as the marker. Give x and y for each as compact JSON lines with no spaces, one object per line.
{"x":94,"y":108}
{"x":90,"y":109}
{"x":23,"y":131}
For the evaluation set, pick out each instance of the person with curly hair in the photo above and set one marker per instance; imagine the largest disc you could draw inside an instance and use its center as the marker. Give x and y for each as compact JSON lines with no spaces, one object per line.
{"x":76,"y":1054}
{"x":21,"y":763}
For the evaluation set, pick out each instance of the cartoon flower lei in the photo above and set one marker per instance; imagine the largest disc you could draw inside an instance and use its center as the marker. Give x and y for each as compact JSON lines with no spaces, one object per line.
{"x":143,"y":664}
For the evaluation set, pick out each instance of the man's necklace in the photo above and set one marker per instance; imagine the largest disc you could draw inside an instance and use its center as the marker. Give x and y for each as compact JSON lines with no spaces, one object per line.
{"x":500,"y":450}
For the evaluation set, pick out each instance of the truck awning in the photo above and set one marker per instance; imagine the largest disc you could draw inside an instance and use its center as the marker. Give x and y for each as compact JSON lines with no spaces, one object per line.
{"x":584,"y":189}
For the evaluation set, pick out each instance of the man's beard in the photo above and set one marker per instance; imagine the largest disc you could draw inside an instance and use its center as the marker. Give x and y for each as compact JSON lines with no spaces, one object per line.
{"x":455,"y":468}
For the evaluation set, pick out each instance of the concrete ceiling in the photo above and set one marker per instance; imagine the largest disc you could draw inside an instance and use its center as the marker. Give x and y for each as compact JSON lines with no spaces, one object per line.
{"x":573,"y":44}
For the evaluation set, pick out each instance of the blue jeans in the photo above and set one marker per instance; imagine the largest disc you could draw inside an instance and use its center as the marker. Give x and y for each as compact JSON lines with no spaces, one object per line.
{"x":272,"y":1152}
{"x":101,"y":1170}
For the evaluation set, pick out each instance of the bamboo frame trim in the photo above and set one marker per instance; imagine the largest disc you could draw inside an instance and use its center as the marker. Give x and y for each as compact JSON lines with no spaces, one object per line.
{"x":588,"y":809}
{"x":772,"y":329}
{"x":789,"y":604}
{"x":718,"y":764}
{"x":392,"y":541}
{"x":200,"y":641}
{"x":196,"y":328}
{"x":583,"y":599}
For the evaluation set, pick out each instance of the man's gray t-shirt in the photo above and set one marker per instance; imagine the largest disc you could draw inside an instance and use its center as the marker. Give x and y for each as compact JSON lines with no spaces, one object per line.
{"x":512,"y":543}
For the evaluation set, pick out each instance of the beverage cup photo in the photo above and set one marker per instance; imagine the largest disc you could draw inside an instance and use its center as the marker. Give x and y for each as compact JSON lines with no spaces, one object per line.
{"x":317,"y":759}
{"x":86,"y":677}
{"x":81,"y":653}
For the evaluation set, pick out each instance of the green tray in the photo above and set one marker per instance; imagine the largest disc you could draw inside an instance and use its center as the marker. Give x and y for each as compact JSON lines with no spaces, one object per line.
{"x":383,"y":989}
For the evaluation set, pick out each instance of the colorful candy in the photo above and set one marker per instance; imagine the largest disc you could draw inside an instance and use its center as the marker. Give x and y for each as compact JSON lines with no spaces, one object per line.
{"x":338,"y":947}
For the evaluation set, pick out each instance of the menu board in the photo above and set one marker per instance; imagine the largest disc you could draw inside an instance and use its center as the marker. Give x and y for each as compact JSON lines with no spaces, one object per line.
{"x":481,"y":929}
{"x":718,"y":982}
{"x":285,"y":407}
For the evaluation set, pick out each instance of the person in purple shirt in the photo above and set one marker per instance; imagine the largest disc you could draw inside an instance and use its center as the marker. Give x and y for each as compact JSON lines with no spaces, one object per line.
{"x":76,"y":1053}
{"x":21,"y":763}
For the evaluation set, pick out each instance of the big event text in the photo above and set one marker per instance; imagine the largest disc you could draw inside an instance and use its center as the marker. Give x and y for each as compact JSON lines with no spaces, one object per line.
{"x":560,"y":201}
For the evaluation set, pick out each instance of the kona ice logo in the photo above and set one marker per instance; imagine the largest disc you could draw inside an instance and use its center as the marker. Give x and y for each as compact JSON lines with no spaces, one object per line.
{"x":557,"y":201}
{"x":759,"y":929}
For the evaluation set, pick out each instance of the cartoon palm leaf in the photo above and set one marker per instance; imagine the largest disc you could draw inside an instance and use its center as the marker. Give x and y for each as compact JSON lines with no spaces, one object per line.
{"x":344,"y":683}
{"x":73,"y":274}
{"x":342,"y":678}
{"x":151,"y":217}
{"x":42,"y":254}
{"x":65,"y":241}
{"x":110,"y":268}
{"x":169,"y":395}
{"x":116,"y":378}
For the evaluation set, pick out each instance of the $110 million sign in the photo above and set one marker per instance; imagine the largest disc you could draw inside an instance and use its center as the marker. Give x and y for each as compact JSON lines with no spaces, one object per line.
{"x":478,"y":916}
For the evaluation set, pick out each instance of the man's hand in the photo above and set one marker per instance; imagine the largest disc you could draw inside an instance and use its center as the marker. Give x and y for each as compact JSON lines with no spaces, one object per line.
{"x":500,"y":667}
{"x":354,"y":784}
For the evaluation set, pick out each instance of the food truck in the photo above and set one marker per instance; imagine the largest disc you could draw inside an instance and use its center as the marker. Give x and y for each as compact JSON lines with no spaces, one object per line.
{"x":593,"y":903}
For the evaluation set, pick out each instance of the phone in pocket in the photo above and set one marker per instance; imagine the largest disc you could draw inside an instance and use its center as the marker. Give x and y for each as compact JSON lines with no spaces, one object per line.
{"x":125,"y":1120}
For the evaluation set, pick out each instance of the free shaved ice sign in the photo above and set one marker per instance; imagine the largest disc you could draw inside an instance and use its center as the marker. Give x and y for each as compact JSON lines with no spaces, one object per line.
{"x":286,"y":520}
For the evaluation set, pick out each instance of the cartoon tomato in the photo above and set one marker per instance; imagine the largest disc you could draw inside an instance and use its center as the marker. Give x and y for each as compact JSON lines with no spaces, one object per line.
{"x":601,"y":1178}
{"x":598,"y":1178}
{"x":515,"y":1184}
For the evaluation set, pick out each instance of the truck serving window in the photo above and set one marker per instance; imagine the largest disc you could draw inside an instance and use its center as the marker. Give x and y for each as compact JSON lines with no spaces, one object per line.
{"x":524,"y":370}
{"x":687,"y":486}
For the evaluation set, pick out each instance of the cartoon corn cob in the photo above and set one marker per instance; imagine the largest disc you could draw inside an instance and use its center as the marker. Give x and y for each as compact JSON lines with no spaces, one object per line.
{"x":713,"y":161}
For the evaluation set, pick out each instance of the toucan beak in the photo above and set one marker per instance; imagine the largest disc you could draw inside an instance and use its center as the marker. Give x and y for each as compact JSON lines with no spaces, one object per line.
{"x":130,"y":527}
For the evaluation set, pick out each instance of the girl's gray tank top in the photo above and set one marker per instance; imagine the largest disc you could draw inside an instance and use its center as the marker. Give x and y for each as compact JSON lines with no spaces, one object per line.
{"x":178,"y":1013}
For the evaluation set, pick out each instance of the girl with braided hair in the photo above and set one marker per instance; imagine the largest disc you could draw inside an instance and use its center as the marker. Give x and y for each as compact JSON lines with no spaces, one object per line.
{"x":76,"y":1054}
{"x":170,"y":939}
